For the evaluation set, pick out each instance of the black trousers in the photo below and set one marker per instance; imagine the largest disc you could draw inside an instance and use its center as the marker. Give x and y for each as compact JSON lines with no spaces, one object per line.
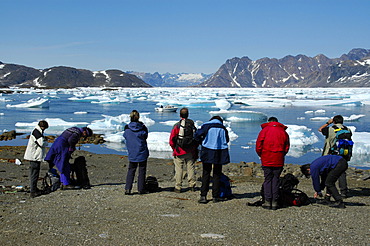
{"x":131,"y":175}
{"x":206,"y":178}
{"x":333,"y":176}
{"x":34,"y":174}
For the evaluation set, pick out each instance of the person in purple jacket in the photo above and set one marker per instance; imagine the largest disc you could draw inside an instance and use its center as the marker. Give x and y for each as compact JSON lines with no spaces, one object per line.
{"x":328,"y":168}
{"x":61,"y":151}
{"x":136,"y":134}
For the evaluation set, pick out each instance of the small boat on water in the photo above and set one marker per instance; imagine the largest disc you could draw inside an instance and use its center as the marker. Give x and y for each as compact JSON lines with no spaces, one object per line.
{"x":168,"y":108}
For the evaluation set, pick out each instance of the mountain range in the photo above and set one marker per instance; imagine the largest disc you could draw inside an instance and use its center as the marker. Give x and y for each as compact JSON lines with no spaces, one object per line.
{"x":349,"y":70}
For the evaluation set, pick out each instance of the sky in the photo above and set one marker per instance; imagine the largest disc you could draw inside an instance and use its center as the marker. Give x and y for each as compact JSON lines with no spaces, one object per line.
{"x":176,"y":36}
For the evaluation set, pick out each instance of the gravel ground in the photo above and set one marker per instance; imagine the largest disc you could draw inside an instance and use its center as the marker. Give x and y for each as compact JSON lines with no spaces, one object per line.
{"x":103,"y":215}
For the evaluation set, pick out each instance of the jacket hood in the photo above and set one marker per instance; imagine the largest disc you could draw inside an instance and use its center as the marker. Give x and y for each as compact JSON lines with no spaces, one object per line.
{"x":136,"y":126}
{"x":273,"y":124}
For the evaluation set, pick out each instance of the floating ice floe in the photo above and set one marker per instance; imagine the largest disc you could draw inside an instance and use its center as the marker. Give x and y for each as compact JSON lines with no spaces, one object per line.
{"x":222,"y":104}
{"x":321,"y":103}
{"x":300,"y":137}
{"x":345,"y":118}
{"x":240,"y":115}
{"x":56,"y":125}
{"x":32,"y":103}
{"x":80,"y":112}
{"x":117,"y":123}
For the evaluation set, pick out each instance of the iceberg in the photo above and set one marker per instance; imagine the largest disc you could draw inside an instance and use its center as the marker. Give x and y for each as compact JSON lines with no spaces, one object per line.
{"x":351,"y":118}
{"x":32,"y":103}
{"x":56,"y":125}
{"x":240,"y":115}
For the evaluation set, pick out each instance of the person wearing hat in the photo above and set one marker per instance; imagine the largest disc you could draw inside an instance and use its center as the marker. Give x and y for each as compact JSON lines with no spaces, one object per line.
{"x":328,"y":168}
{"x":35,"y":153}
{"x":61,"y":151}
{"x":135,"y":134}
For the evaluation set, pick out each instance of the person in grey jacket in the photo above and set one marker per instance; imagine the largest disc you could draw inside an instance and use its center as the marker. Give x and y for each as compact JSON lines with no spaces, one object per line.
{"x":35,"y":153}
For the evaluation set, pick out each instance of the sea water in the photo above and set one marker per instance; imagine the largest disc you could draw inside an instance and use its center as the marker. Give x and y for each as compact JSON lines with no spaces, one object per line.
{"x":302,"y":110}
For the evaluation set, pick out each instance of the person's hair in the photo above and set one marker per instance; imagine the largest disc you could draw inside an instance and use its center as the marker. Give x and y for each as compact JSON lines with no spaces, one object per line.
{"x":134,"y":115}
{"x":305,"y":170}
{"x":338,"y":119}
{"x":272,"y":119}
{"x":184,"y":113}
{"x":88,"y":131}
{"x":217,"y":117}
{"x":43,"y":123}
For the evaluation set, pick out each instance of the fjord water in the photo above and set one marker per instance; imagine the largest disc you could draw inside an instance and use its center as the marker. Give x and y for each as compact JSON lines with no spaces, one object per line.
{"x":200,"y":102}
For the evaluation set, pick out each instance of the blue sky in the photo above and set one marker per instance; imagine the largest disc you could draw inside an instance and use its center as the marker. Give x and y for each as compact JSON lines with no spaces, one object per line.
{"x":176,"y":36}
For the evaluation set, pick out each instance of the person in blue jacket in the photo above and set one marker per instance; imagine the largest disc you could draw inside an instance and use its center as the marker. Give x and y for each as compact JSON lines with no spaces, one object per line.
{"x":136,"y":134}
{"x":61,"y":151}
{"x":329,"y":168}
{"x":214,"y":139}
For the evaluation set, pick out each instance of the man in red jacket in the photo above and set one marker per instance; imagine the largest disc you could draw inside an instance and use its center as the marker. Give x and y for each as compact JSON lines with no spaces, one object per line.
{"x":272,"y":145}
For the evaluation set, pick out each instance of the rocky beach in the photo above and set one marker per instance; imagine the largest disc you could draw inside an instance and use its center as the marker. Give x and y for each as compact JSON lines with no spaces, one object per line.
{"x":103,"y":215}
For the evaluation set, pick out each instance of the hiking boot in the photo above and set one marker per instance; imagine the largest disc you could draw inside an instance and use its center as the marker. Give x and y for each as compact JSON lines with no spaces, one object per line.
{"x":128,"y":192}
{"x":35,"y":194}
{"x":67,"y":187}
{"x":325,"y":201}
{"x":266,"y":205}
{"x":202,"y":200}
{"x":219,"y":199}
{"x":177,"y":190}
{"x":274,"y":205}
{"x":338,"y":204}
{"x":143,"y":192}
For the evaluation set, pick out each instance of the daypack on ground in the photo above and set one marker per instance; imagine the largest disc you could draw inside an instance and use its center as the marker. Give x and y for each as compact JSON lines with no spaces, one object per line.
{"x":79,"y":174}
{"x":151,"y":184}
{"x":225,"y":187}
{"x":50,"y":182}
{"x":343,"y":143}
{"x":185,"y":137}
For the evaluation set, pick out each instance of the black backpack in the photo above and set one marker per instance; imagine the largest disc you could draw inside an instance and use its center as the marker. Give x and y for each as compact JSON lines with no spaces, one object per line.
{"x":151,"y":184}
{"x":185,"y":138}
{"x":343,"y":143}
{"x":50,"y":182}
{"x":289,"y":195}
{"x":79,"y":173}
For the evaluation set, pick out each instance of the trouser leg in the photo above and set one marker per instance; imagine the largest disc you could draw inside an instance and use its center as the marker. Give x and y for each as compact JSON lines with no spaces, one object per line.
{"x":130,"y":175}
{"x":141,"y":177}
{"x":178,"y":162}
{"x":206,"y":176}
{"x":267,"y":183}
{"x":190,"y":167}
{"x":65,"y":174}
{"x":275,"y":182}
{"x":342,"y":183}
{"x":34,"y":175}
{"x":217,"y":171}
{"x":333,"y":176}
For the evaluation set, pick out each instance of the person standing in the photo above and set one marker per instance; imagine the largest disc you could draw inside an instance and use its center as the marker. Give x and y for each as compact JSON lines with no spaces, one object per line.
{"x":35,"y":153}
{"x":214,"y":139}
{"x":329,"y":168}
{"x":136,"y":134}
{"x":184,"y":150}
{"x":61,"y":151}
{"x":330,"y":140}
{"x":272,"y":145}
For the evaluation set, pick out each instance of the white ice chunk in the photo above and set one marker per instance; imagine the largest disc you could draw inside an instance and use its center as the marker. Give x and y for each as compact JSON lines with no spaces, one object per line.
{"x":32,"y":103}
{"x":56,"y":125}
{"x":240,"y":115}
{"x":222,"y":104}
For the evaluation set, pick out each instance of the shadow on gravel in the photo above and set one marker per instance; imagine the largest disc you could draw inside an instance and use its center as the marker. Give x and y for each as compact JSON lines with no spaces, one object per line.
{"x":108,"y":184}
{"x":359,"y":191}
{"x":247,"y":195}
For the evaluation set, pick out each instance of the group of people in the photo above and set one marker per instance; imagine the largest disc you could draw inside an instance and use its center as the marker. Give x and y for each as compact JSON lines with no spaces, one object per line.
{"x":272,"y":145}
{"x":58,"y":155}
